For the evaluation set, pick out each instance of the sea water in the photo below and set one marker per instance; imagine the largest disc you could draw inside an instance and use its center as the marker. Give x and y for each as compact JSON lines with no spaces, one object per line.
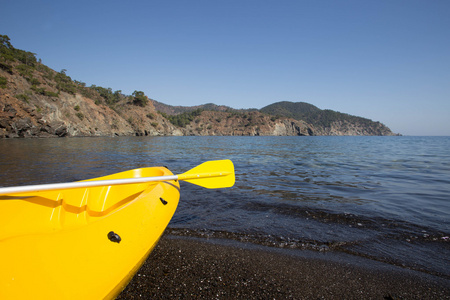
{"x":383,"y":198}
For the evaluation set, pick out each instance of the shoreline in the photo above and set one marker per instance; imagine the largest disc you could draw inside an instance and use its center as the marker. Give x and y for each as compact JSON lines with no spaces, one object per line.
{"x":205,"y":269}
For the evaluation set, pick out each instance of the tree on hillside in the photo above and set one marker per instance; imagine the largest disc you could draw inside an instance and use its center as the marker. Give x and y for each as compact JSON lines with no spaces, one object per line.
{"x":140,"y":98}
{"x":4,"y":41}
{"x":64,"y":82}
{"x":8,"y":52}
{"x":6,"y":49}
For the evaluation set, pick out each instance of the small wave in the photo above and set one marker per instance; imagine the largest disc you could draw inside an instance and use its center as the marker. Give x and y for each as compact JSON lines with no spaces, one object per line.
{"x":393,"y":228}
{"x":259,"y":239}
{"x":386,"y":250}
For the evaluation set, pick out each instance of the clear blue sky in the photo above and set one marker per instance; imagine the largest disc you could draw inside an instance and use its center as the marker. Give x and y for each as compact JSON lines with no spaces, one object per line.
{"x":387,"y":60}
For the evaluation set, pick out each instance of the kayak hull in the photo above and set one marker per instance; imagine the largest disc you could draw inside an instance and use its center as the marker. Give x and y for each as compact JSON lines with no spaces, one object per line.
{"x":84,"y":243}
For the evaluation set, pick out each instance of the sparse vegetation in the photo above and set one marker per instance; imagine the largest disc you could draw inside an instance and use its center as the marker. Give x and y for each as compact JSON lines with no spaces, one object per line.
{"x":22,"y":97}
{"x":9,"y":53}
{"x":107,"y":94}
{"x":51,"y":94}
{"x":6,"y":67}
{"x":47,"y":72}
{"x":44,"y":92}
{"x":311,"y":114}
{"x":3,"y":82}
{"x":183,"y":119}
{"x":33,"y":81}
{"x":64,"y":83}
{"x":24,"y":70}
{"x":80,"y":115}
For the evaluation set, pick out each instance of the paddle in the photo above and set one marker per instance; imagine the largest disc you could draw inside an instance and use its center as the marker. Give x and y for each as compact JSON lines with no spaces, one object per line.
{"x":211,"y":174}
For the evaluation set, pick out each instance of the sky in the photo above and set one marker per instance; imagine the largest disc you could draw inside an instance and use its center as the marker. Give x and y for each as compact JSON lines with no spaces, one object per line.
{"x":386,"y":60}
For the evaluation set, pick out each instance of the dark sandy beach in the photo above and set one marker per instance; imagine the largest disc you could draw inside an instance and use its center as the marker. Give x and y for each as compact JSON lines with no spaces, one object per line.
{"x":201,"y":269}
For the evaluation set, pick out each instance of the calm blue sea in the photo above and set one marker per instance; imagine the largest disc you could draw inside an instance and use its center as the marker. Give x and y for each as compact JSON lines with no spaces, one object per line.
{"x":384,"y":198}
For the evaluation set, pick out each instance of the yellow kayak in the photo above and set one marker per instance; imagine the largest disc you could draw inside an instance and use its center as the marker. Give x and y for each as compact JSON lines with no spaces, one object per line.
{"x":88,"y":242}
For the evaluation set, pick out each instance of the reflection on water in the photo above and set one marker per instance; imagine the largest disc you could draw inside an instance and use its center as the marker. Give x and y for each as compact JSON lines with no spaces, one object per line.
{"x":380,"y":197}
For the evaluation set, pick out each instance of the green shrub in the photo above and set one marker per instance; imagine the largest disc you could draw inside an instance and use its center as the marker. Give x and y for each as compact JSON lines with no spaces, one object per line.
{"x":163,"y":114}
{"x":3,"y":82}
{"x":44,"y":92}
{"x":24,"y":70}
{"x":183,"y":119}
{"x":6,"y":67}
{"x":107,"y":94}
{"x":51,"y":94}
{"x":33,"y":81}
{"x":8,"y":52}
{"x":48,"y":73}
{"x":22,"y":97}
{"x":64,"y":83}
{"x":38,"y":90}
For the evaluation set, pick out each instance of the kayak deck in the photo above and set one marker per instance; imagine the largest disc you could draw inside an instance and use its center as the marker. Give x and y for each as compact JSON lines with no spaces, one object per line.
{"x":84,"y":242}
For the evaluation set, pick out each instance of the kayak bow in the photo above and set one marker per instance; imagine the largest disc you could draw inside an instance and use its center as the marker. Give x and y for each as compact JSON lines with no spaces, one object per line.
{"x":87,"y":242}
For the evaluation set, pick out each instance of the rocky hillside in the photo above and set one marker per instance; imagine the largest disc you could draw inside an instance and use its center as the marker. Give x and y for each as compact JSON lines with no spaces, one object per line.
{"x":327,"y":122}
{"x":36,"y":101}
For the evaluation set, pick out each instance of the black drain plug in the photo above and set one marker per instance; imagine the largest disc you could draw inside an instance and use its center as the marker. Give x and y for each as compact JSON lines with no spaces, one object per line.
{"x":114,"y":237}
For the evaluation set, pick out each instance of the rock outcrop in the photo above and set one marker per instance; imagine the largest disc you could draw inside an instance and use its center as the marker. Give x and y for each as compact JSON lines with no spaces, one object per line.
{"x":244,"y":124}
{"x":67,"y":115}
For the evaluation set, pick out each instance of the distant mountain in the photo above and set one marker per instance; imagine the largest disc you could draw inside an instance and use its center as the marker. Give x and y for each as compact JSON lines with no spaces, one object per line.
{"x":327,"y":122}
{"x":297,"y":110}
{"x":322,"y":122}
{"x":176,"y":110}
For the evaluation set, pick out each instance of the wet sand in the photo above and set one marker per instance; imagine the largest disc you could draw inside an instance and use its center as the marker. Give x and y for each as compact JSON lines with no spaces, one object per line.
{"x":180,"y":268}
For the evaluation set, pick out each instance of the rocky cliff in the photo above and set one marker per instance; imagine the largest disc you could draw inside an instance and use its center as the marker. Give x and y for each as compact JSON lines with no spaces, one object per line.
{"x":327,"y":122}
{"x":248,"y":124}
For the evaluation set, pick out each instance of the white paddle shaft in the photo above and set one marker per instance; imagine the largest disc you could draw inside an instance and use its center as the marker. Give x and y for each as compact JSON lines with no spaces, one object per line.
{"x":82,"y":184}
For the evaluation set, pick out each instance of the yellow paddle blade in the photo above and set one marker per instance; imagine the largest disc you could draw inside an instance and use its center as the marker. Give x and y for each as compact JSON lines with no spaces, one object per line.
{"x":213,"y":174}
